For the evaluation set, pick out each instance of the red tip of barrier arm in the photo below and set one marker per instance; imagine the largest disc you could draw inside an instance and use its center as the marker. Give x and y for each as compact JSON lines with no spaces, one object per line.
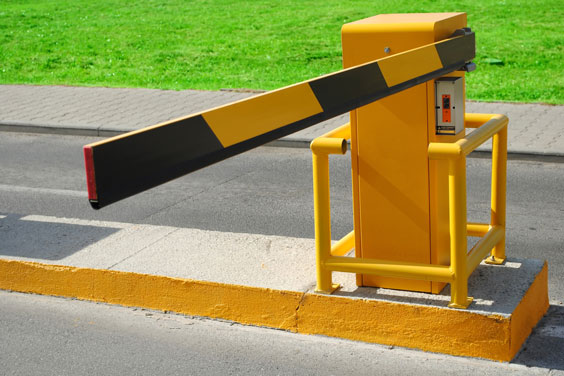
{"x":90,"y":176}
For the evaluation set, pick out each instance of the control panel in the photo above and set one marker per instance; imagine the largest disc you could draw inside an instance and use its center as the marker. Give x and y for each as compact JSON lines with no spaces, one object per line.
{"x":449,"y":99}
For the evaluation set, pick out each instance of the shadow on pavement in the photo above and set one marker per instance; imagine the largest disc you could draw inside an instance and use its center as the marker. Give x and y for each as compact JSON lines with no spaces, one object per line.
{"x":46,"y":240}
{"x":545,"y":347}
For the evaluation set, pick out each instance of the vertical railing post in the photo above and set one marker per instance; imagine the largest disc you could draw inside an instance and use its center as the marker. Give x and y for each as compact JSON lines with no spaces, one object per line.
{"x":321,"y":147}
{"x":322,"y":213}
{"x":457,"y":226}
{"x":498,"y":192}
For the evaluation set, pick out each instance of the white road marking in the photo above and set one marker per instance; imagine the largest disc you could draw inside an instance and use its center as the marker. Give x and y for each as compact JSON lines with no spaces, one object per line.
{"x":49,"y":191}
{"x":75,"y":221}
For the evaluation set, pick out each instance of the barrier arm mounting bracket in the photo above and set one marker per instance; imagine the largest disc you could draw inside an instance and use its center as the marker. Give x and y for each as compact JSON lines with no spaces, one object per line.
{"x":122,"y":166}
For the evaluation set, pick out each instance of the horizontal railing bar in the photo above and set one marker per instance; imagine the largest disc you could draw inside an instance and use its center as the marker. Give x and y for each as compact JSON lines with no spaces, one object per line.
{"x":386,"y":268}
{"x":483,"y":247}
{"x":477,"y":229}
{"x":344,"y":131}
{"x":464,"y":146}
{"x":344,"y":245}
{"x":482,"y":134}
{"x":324,"y":145}
{"x":444,"y":150}
{"x":475,"y":120}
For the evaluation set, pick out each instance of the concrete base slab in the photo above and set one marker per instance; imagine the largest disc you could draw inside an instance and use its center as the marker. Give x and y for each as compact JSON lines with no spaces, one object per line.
{"x":267,"y":281}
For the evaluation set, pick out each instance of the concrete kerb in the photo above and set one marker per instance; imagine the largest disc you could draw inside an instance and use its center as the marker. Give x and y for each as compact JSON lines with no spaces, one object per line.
{"x":54,"y":129}
{"x":267,"y":280}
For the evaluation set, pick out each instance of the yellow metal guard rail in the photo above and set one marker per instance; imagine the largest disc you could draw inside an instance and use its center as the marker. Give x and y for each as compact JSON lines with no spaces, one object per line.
{"x":330,"y":258}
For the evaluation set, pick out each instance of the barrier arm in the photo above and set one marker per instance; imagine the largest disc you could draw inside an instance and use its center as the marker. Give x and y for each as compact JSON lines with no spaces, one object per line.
{"x":125,"y":165}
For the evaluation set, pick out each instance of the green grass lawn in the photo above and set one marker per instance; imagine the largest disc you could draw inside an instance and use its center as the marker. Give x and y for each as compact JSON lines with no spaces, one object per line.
{"x":207,"y":44}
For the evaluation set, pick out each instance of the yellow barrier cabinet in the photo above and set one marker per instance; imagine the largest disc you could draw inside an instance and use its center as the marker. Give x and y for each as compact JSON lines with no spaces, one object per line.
{"x":400,"y":196}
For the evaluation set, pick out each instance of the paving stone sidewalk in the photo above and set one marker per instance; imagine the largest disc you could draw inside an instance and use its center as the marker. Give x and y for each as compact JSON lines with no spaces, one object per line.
{"x":534,"y":128}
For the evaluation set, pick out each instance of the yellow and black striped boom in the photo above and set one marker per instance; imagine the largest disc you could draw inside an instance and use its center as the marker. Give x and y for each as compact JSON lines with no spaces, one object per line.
{"x":128,"y":164}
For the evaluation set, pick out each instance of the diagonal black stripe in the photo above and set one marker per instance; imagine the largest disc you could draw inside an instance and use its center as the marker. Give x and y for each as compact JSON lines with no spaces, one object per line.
{"x":454,"y":50}
{"x":350,"y":86}
{"x":132,"y":164}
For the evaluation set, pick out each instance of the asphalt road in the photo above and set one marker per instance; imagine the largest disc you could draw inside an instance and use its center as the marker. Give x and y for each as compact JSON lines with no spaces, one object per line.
{"x":265,"y":191}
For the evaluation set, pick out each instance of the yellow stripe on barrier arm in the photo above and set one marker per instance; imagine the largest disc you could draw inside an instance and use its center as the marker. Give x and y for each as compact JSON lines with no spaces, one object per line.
{"x":401,"y":67}
{"x":244,"y":120}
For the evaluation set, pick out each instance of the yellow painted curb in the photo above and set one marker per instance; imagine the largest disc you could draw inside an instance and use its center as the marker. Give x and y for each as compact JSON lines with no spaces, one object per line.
{"x":246,"y":305}
{"x":435,"y":329}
